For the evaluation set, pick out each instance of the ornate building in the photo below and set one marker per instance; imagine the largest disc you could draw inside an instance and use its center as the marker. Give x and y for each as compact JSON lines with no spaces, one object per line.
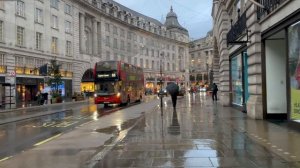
{"x":258,"y":47}
{"x":201,"y":59}
{"x":78,"y":33}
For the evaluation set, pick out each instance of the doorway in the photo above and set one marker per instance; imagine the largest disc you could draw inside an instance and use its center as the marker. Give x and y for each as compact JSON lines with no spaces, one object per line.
{"x":276,"y":78}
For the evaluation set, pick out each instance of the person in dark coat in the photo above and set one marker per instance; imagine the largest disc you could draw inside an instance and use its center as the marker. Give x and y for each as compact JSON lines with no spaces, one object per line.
{"x":173,"y":89}
{"x":215,"y":92}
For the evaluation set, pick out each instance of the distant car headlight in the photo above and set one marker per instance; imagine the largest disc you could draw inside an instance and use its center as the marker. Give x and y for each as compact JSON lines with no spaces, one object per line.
{"x":165,"y":91}
{"x":118,"y":94}
{"x":95,"y":95}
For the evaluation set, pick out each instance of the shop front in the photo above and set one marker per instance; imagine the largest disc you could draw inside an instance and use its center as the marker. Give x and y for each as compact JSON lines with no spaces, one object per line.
{"x":281,"y":49}
{"x":239,"y":79}
{"x":27,"y":89}
{"x":294,"y":70}
{"x":87,"y":84}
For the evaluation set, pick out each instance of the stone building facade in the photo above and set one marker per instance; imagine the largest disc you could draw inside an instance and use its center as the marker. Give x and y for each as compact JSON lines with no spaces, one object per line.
{"x":258,"y":48}
{"x":201,"y":59}
{"x":78,"y":33}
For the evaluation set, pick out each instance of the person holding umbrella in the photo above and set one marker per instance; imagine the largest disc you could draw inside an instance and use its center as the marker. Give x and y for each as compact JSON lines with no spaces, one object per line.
{"x":173,"y":90}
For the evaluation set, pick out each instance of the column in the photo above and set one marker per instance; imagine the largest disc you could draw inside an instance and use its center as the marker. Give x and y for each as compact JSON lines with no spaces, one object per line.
{"x":82,"y":33}
{"x":95,"y":37}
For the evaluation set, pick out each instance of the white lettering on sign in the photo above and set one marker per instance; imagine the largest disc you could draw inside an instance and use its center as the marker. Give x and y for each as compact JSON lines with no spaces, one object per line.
{"x":113,"y":75}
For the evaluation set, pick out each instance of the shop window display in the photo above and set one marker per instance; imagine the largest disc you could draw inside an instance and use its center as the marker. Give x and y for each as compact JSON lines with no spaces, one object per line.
{"x":236,"y":80}
{"x":294,"y":70}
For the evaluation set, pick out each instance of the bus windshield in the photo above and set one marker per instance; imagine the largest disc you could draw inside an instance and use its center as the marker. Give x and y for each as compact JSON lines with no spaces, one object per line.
{"x":107,"y":88}
{"x":107,"y":66}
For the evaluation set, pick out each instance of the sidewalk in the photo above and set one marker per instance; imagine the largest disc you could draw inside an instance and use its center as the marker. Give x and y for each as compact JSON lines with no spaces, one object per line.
{"x":201,"y":133}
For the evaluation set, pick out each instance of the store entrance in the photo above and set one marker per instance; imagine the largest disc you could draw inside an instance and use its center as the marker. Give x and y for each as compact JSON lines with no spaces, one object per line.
{"x":276,"y":87}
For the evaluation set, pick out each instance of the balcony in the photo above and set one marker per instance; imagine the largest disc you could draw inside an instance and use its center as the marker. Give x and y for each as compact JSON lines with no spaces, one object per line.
{"x":238,"y":30}
{"x":270,"y":5}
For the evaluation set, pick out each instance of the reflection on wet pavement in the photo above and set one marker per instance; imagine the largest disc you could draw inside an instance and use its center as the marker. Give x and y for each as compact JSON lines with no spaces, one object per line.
{"x":198,"y":134}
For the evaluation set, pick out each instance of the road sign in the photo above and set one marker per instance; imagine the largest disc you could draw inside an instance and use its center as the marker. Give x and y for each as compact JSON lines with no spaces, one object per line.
{"x":11,"y":74}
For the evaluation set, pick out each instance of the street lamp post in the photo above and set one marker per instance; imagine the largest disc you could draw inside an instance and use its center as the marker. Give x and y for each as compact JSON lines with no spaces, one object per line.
{"x":161,"y":95}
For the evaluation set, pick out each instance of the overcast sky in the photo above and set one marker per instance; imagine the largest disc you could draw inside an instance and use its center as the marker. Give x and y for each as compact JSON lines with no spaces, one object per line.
{"x":194,"y":15}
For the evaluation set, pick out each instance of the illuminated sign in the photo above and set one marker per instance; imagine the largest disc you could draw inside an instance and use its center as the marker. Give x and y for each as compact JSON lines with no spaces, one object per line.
{"x":112,"y":75}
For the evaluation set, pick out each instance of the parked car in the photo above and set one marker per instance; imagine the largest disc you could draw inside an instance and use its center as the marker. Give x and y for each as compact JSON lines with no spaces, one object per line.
{"x":202,"y":89}
{"x":162,"y":92}
{"x":148,"y":92}
{"x":181,"y":92}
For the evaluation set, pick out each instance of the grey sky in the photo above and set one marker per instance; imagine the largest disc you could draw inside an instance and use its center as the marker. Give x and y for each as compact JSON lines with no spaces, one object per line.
{"x":194,"y":15}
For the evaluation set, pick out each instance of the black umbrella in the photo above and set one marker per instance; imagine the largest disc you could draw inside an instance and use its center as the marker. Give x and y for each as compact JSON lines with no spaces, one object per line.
{"x":172,"y":88}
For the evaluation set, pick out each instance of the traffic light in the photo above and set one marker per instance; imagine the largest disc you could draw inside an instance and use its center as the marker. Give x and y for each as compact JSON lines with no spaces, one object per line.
{"x":43,"y":70}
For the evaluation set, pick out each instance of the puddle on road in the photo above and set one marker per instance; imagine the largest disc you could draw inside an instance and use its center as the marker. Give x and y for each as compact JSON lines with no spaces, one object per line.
{"x":115,"y":129}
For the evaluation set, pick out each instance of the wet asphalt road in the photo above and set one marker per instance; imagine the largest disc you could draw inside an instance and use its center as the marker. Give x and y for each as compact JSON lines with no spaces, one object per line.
{"x":25,"y":134}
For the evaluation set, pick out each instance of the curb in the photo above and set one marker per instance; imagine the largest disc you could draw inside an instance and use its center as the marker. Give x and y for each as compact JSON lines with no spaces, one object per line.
{"x":41,"y":106}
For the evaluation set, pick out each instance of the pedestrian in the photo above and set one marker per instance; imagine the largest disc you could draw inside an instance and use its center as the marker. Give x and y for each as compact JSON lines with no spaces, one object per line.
{"x":173,"y":89}
{"x":215,"y":92}
{"x":49,"y":97}
{"x":39,"y":97}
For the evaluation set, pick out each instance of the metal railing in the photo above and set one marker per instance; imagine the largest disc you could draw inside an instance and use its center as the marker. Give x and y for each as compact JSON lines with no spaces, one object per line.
{"x":270,"y":5}
{"x":237,"y":30}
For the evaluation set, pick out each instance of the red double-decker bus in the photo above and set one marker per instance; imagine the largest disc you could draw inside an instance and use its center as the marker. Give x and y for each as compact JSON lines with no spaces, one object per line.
{"x":117,"y":82}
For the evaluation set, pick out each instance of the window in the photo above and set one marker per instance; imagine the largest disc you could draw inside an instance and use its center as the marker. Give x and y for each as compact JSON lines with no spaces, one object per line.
{"x":19,"y":61}
{"x":141,"y":62}
{"x":54,"y":22}
{"x":68,"y":48}
{"x":30,"y":62}
{"x":135,"y":61}
{"x":1,"y":30}
{"x":2,"y":57}
{"x":152,"y":65}
{"x":141,"y":50}
{"x":129,"y":35}
{"x":67,"y":26}
{"x":38,"y":41}
{"x":107,"y":41}
{"x":20,"y":36}
{"x":129,"y":60}
{"x":141,"y":39}
{"x":152,"y":52}
{"x":115,"y":56}
{"x":147,"y":63}
{"x":54,"y":45}
{"x":54,"y":4}
{"x":115,"y":30}
{"x":39,"y":62}
{"x":115,"y":43}
{"x":107,"y":55}
{"x":107,"y":27}
{"x":147,"y":51}
{"x":122,"y":45}
{"x":20,"y":8}
{"x":122,"y":33}
{"x":68,"y":9}
{"x":38,"y":15}
{"x":129,"y":47}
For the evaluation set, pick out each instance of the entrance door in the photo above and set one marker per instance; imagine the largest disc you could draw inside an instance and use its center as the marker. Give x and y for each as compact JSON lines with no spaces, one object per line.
{"x":275,"y":55}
